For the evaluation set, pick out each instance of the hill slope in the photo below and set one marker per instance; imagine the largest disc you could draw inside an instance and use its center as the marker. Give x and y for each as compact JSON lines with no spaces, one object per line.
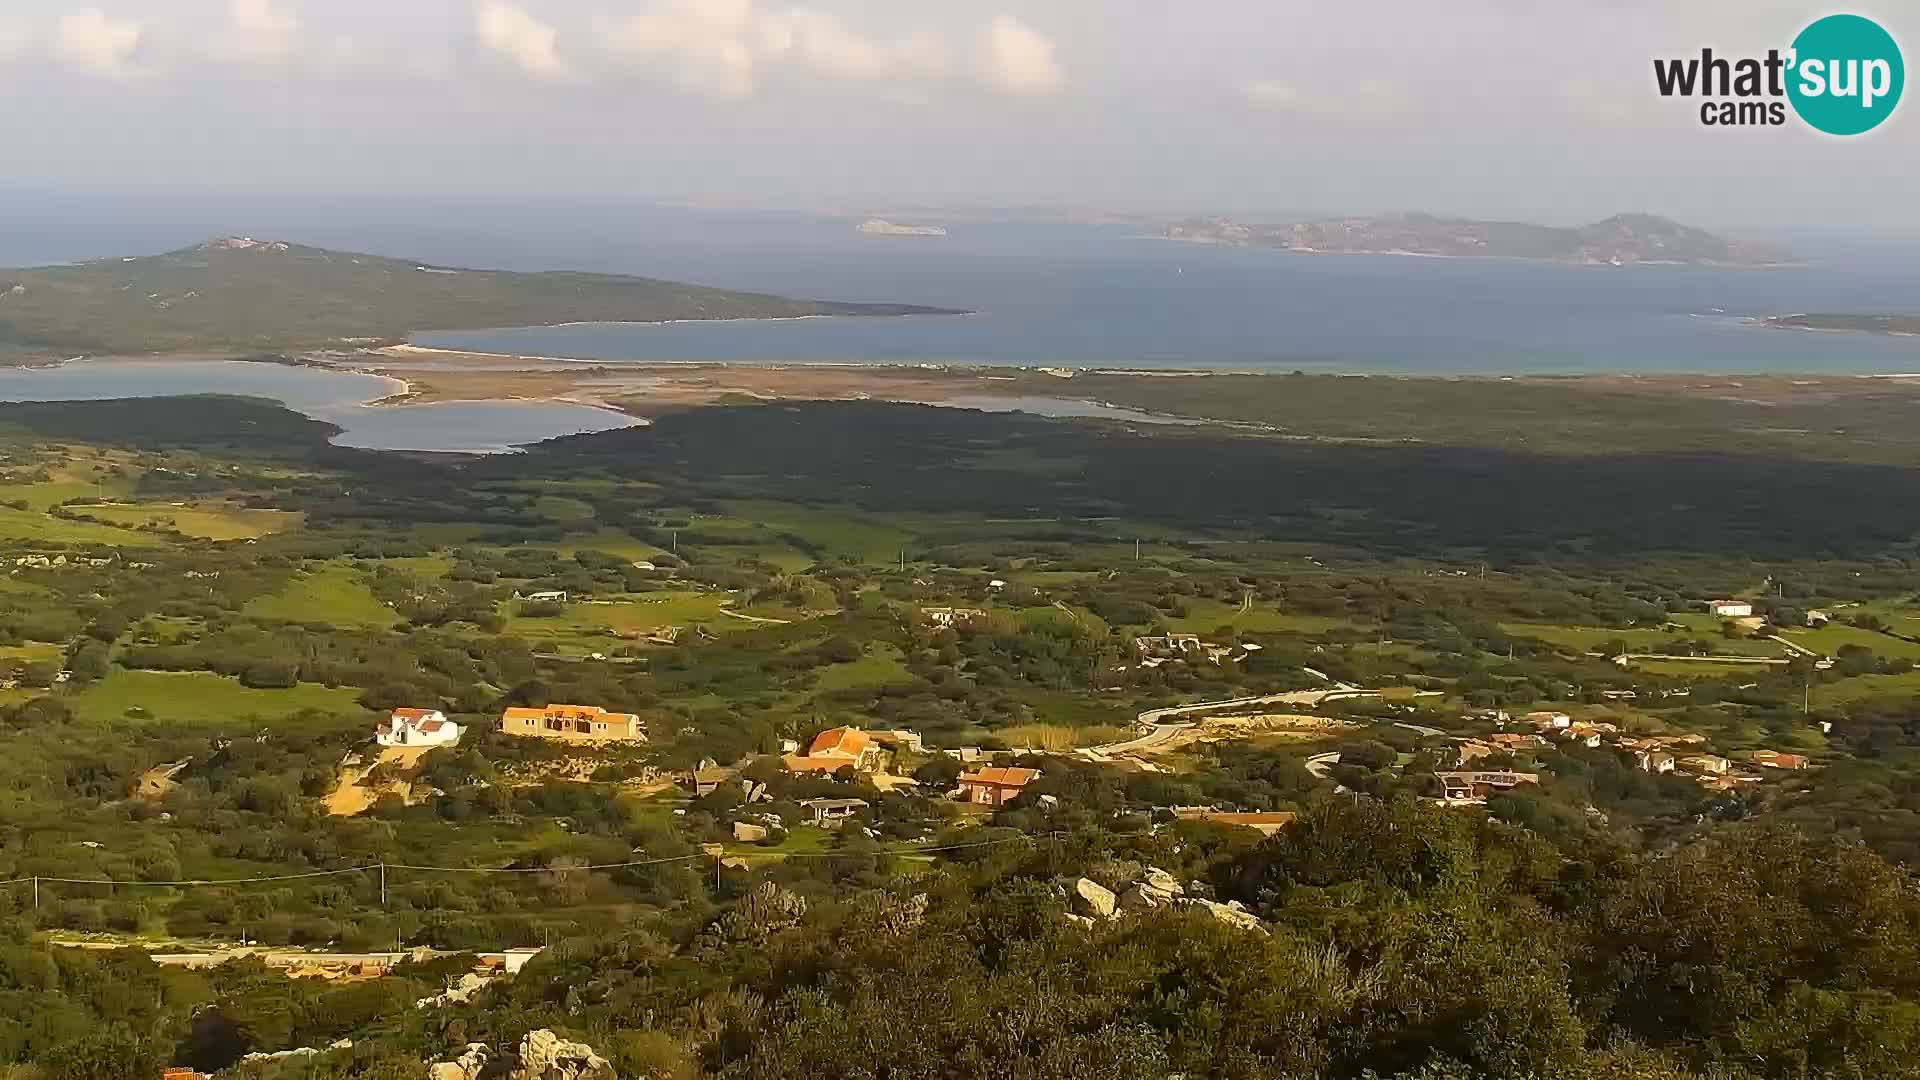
{"x":259,"y":295}
{"x":1626,"y":238}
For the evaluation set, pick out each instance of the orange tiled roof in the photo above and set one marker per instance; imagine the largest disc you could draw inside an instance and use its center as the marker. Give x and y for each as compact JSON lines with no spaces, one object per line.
{"x":841,"y":740}
{"x":564,"y":712}
{"x":1001,"y":777}
{"x":413,"y":714}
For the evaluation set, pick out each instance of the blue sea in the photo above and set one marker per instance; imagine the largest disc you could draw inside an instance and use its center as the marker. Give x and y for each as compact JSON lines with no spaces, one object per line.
{"x":1112,"y":296}
{"x":1070,"y":295}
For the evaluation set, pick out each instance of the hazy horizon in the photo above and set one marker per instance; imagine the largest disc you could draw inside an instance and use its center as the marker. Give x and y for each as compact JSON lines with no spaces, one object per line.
{"x":1489,"y":108}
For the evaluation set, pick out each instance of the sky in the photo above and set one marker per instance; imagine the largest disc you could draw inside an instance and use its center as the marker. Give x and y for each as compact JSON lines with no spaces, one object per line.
{"x":1528,"y":109}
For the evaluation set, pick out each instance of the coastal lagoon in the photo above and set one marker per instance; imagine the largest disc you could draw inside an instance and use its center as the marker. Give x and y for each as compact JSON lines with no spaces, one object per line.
{"x":337,"y":397}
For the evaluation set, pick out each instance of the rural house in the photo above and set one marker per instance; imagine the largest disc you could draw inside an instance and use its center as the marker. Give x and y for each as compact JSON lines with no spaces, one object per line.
{"x":949,"y":616}
{"x":1654,"y":761}
{"x":574,"y":724}
{"x":835,"y":749}
{"x":1774,"y":759}
{"x":417,"y":727}
{"x":995,"y":787}
{"x":1472,"y":788}
{"x":1730,"y":609}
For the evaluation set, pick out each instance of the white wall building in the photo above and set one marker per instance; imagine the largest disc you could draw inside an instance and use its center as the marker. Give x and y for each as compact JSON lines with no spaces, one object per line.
{"x":1730,"y":609}
{"x":417,"y":727}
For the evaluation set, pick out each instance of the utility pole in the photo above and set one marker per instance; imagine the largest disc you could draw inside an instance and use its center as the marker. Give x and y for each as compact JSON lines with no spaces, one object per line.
{"x":1136,"y":549}
{"x":383,"y":885}
{"x":36,"y":894}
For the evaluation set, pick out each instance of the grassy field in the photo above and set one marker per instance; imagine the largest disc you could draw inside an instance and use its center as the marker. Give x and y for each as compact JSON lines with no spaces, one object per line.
{"x":1205,"y":616}
{"x":32,"y":653}
{"x":611,"y":541}
{"x":592,"y":624}
{"x":1585,"y":638}
{"x":331,"y":594}
{"x":201,"y":699}
{"x":882,"y":664}
{"x":1829,"y":638}
{"x":207,"y":522}
{"x":1866,"y":686}
{"x":34,"y":525}
{"x":836,"y":532}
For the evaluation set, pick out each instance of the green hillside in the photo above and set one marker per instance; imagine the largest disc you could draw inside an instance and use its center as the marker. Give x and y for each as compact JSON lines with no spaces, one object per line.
{"x":238,"y":294}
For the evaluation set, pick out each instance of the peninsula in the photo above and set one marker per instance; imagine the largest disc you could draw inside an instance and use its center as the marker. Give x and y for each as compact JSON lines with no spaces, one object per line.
{"x":1860,"y":323}
{"x":238,"y":293}
{"x":1619,"y":240}
{"x":883,"y":227}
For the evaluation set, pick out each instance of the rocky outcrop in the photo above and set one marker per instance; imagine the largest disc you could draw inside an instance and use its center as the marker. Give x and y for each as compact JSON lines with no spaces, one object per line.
{"x":1091,"y":898}
{"x":468,"y":1066}
{"x":459,"y":992}
{"x":1141,"y":896}
{"x":1232,"y":913}
{"x":1162,"y":881}
{"x":543,"y":1056}
{"x":546,"y":1056}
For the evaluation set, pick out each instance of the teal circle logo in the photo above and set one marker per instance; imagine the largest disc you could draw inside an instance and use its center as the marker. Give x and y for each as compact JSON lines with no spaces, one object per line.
{"x":1846,"y":75}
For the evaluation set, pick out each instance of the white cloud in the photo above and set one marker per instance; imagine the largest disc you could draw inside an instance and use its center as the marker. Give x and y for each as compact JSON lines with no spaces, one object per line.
{"x":825,"y":45}
{"x":257,"y":32}
{"x":95,"y":43}
{"x":513,"y":33}
{"x":703,"y":45}
{"x":1020,"y":59}
{"x":722,"y":48}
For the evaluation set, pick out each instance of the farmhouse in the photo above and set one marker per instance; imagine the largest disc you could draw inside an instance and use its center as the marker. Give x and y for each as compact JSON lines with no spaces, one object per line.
{"x":1472,"y":788}
{"x":574,"y":723}
{"x":1730,"y":609}
{"x":549,"y":596}
{"x":1654,"y":761}
{"x":1774,"y":759}
{"x":1266,"y":824}
{"x":1706,"y":763}
{"x":1545,"y":719}
{"x":995,"y":787}
{"x":417,"y":727}
{"x":949,"y":616}
{"x":835,"y":749}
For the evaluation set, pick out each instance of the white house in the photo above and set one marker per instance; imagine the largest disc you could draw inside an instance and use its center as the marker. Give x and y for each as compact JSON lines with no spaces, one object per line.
{"x":417,"y":727}
{"x":1730,"y":609}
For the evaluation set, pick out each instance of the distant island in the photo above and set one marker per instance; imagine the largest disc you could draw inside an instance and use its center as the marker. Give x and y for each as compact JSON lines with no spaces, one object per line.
{"x":238,"y":293}
{"x":1862,"y":324}
{"x":1619,"y":240}
{"x":882,"y":227}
